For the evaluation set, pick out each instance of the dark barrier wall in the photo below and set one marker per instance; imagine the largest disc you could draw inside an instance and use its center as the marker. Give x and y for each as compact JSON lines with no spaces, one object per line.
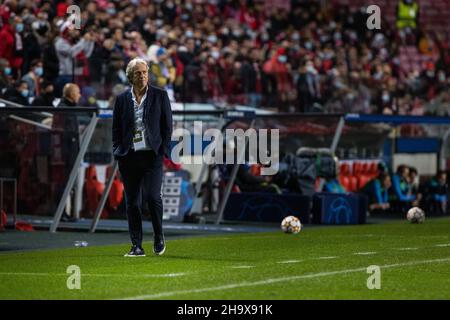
{"x":266,"y":207}
{"x":331,"y":208}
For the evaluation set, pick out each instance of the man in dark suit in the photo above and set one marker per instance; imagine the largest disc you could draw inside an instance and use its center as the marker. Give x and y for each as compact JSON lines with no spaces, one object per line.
{"x":142,"y":130}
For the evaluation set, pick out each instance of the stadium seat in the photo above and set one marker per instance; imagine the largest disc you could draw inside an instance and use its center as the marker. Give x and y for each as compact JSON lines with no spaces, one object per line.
{"x":115,"y":196}
{"x":345,"y":182}
{"x":93,"y":190}
{"x":362,"y":181}
{"x":353,"y":183}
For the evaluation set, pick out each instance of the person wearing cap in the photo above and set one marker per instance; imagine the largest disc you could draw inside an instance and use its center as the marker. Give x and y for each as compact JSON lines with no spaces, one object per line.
{"x":162,"y":71}
{"x":67,"y":51}
{"x":141,"y":135}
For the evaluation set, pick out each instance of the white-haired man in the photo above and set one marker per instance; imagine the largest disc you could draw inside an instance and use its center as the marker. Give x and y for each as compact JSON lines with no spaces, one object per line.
{"x":142,"y":130}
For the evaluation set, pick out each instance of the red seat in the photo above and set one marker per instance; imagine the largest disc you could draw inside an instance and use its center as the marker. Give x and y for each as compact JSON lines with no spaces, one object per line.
{"x":93,"y":190}
{"x":373,"y":169}
{"x":362,"y":181}
{"x":353,"y":184}
{"x":345,"y":182}
{"x":344,"y":169}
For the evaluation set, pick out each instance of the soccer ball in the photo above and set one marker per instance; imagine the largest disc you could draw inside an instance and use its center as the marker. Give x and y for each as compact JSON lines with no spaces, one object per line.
{"x":291,"y":224}
{"x":415,"y":215}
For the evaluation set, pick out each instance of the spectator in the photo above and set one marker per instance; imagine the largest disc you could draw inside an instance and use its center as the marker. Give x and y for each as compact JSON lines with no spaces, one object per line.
{"x":407,"y":14}
{"x":11,"y":45}
{"x":47,"y":96}
{"x":34,"y":77}
{"x":436,"y":194}
{"x":5,"y":76}
{"x":278,"y":70}
{"x":377,"y":192}
{"x":333,"y":185}
{"x":67,"y":48}
{"x":308,"y":87}
{"x":401,"y":195}
{"x":18,"y":94}
{"x":163,"y":72}
{"x":414,"y":183}
{"x":333,"y":64}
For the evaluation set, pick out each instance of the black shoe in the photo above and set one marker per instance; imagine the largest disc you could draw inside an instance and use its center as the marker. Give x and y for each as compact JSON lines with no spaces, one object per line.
{"x":135,"y":251}
{"x":66,"y":218}
{"x":159,"y":246}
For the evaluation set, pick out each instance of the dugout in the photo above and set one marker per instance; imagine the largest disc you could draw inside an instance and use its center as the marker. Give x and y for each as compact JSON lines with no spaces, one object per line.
{"x":358,"y":140}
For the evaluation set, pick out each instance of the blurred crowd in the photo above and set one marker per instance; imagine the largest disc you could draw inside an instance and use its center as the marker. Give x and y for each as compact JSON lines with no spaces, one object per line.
{"x":304,"y":55}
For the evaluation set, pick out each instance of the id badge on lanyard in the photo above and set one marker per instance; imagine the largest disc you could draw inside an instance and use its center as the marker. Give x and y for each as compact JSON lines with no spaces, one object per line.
{"x":139,"y":140}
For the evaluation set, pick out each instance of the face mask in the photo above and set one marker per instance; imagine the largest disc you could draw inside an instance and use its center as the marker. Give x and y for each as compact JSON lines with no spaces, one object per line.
{"x":189,"y":34}
{"x":385,"y":97}
{"x":39,"y":71}
{"x":328,"y":55}
{"x":310,"y":69}
{"x":19,"y":27}
{"x":236,"y":33}
{"x":430,"y":74}
{"x":111,"y":11}
{"x":215,"y":54}
{"x":282,"y":59}
{"x":188,"y":6}
{"x":308,"y":45}
{"x":295,"y":36}
{"x":212,"y":39}
{"x":7,"y":71}
{"x":24,"y":93}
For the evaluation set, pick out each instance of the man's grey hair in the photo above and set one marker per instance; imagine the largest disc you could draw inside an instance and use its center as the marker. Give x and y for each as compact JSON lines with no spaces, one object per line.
{"x":131,"y":65}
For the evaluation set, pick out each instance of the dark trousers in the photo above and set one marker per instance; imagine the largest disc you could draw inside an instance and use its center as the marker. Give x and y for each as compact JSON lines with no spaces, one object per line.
{"x":142,"y":174}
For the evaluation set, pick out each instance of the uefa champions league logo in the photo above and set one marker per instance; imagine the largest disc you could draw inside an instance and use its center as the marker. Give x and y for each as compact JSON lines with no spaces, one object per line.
{"x":340,"y":208}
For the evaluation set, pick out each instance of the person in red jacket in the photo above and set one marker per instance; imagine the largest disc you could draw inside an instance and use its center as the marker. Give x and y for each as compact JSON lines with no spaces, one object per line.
{"x":11,"y":46}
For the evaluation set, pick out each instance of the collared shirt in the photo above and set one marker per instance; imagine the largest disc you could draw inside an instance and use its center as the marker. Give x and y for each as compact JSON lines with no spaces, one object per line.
{"x":139,"y":113}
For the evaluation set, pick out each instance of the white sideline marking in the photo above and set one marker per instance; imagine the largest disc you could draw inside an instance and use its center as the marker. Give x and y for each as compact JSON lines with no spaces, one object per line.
{"x":276,"y":280}
{"x":364,"y":253}
{"x":443,"y":245}
{"x":165,"y":275}
{"x":146,"y":275}
{"x":290,"y":261}
{"x":242,"y":267}
{"x":325,"y":258}
{"x":406,"y":249}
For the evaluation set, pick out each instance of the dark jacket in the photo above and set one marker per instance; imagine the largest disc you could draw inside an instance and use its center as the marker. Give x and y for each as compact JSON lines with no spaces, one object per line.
{"x":67,"y":125}
{"x":13,"y":95}
{"x":157,"y":119}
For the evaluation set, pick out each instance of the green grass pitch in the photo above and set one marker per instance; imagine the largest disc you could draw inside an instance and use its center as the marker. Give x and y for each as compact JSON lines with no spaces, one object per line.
{"x":319,"y":263}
